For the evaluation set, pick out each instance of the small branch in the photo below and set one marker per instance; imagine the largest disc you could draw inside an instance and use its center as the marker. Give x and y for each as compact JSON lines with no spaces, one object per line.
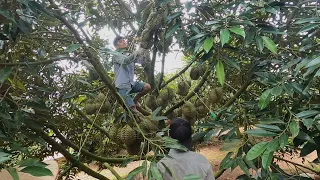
{"x":69,"y":156}
{"x":177,"y":75}
{"x":65,"y":172}
{"x":190,"y":95}
{"x":113,"y":171}
{"x":296,"y":164}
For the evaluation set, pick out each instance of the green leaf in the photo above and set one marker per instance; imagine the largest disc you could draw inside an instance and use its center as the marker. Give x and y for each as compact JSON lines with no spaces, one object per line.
{"x":268,"y":127}
{"x":5,"y":73}
{"x":308,"y":27}
{"x":174,"y":15}
{"x":224,"y":36}
{"x":270,"y":44}
{"x":272,"y":10}
{"x":135,"y":172}
{"x":69,"y":95}
{"x":72,"y":47}
{"x":273,"y":145}
{"x":238,"y":31}
{"x":267,"y":157}
{"x":172,"y":30}
{"x":13,"y":173}
{"x":260,"y":133}
{"x":256,"y":150}
{"x":304,"y":136}
{"x":5,"y":13}
{"x":159,"y":118}
{"x":197,"y":36}
{"x":4,"y":157}
{"x":271,"y":121}
{"x":314,"y":62}
{"x":231,"y":62}
{"x":294,"y":128}
{"x":208,"y":43}
{"x":276,"y":91}
{"x":192,"y":177}
{"x":250,"y":34}
{"x":37,"y":171}
{"x":265,"y":99}
{"x":260,"y":43}
{"x":195,"y":29}
{"x":220,"y":72}
{"x":243,"y":166}
{"x":210,"y":134}
{"x":283,"y":140}
{"x":301,"y":21}
{"x":156,"y":174}
{"x":308,"y":122}
{"x":225,"y":160}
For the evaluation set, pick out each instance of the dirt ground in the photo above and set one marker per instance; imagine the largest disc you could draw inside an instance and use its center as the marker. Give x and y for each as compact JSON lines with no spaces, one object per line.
{"x":215,"y":153}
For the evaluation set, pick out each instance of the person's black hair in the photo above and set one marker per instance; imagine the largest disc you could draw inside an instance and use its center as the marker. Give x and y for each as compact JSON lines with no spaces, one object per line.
{"x":116,"y":40}
{"x":181,"y":130}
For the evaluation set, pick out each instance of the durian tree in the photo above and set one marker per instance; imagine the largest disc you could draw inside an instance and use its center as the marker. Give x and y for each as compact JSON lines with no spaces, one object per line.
{"x":252,"y":73}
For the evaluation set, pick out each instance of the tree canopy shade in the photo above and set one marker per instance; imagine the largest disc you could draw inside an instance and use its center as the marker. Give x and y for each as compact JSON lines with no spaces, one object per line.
{"x":250,"y":64}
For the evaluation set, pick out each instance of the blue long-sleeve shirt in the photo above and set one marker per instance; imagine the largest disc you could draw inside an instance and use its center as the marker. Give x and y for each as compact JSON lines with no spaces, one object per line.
{"x":124,"y":69}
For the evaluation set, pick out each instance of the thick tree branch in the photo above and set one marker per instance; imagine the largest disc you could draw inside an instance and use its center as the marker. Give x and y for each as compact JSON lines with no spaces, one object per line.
{"x":191,"y":94}
{"x":153,"y":62}
{"x":162,"y":65}
{"x":37,"y":63}
{"x":69,"y":156}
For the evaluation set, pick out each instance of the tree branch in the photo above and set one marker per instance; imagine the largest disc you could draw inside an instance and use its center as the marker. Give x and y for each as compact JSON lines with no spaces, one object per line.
{"x":296,"y":164}
{"x":36,"y":63}
{"x":153,"y":62}
{"x":69,"y":156}
{"x":162,"y":65}
{"x":191,"y":94}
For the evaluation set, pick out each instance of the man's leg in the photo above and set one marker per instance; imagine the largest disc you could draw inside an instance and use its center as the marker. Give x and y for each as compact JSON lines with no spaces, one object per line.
{"x":127,"y":98}
{"x":142,"y":89}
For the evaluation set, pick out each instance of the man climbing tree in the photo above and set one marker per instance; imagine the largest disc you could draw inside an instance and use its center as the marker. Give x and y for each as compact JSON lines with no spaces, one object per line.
{"x":124,"y":73}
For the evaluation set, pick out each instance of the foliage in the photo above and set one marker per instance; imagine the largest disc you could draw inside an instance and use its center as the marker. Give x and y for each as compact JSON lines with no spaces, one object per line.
{"x":263,"y":54}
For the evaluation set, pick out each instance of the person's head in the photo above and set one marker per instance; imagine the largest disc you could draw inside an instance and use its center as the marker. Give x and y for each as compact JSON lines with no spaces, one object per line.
{"x":181,"y":130}
{"x":119,"y":42}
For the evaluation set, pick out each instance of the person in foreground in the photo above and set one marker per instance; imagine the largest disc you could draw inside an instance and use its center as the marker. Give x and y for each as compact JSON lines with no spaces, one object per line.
{"x":183,"y":163}
{"x":124,"y":67}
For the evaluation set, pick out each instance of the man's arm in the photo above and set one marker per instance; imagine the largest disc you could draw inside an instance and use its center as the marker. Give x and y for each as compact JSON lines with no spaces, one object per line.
{"x":123,"y":59}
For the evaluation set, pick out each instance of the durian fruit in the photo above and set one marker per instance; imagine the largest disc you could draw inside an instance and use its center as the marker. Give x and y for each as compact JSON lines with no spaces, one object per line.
{"x":178,"y":112}
{"x":128,"y":135}
{"x":106,"y":107}
{"x":213,"y":97}
{"x":202,"y":69}
{"x":134,"y":148}
{"x":151,"y":102}
{"x":149,"y":125}
{"x":194,"y":73}
{"x":183,"y":88}
{"x":89,"y":107}
{"x":115,"y":133}
{"x":202,"y":111}
{"x":167,"y":94}
{"x":189,"y":112}
{"x":219,"y":93}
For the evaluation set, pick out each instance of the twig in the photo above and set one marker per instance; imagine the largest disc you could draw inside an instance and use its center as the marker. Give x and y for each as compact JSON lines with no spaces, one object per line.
{"x":296,"y":164}
{"x":113,"y":171}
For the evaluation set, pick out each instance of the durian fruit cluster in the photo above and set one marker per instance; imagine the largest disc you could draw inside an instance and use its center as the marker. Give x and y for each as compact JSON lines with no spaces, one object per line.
{"x":197,"y":71}
{"x":93,"y":105}
{"x":165,"y":97}
{"x":131,"y":138}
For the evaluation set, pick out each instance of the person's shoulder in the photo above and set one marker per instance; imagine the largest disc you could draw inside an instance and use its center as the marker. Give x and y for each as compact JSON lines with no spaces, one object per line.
{"x":198,"y":156}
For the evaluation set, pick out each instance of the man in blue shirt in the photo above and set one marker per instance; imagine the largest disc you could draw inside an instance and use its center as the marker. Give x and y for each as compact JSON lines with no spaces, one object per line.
{"x":124,"y":73}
